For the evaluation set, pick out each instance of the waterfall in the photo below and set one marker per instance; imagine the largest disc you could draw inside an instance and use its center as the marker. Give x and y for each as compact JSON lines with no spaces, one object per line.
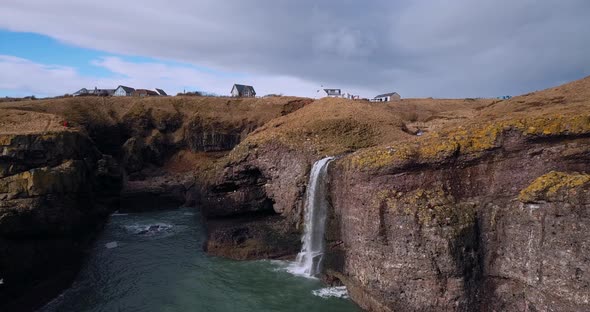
{"x":309,"y":259}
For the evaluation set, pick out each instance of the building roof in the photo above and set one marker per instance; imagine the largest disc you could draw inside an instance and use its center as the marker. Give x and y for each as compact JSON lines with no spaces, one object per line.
{"x":386,"y":94}
{"x":104,"y":91}
{"x":243,"y":88}
{"x":162,"y":93}
{"x":145,"y":91}
{"x":332,"y":91}
{"x":127,"y":89}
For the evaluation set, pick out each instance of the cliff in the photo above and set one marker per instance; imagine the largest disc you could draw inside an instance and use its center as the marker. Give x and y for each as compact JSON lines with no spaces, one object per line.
{"x":55,"y":191}
{"x":436,"y":205}
{"x":66,"y":164}
{"x":479,"y":221}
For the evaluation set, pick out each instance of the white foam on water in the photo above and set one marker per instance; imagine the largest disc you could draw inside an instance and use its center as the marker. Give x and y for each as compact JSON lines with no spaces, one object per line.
{"x":149,"y":229}
{"x":296,"y":269}
{"x":117,"y":214}
{"x":111,"y":245}
{"x":283,"y":266}
{"x":332,"y":292}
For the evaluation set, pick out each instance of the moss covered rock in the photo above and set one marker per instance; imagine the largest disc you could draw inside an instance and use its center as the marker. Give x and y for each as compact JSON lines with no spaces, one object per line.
{"x":551,"y":186}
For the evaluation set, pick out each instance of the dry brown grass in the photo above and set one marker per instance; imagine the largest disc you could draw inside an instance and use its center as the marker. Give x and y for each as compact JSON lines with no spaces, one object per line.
{"x":186,"y":161}
{"x":85,"y":112}
{"x":22,"y":122}
{"x":326,"y":126}
{"x":555,"y":112}
{"x":335,"y":126}
{"x":570,"y":98}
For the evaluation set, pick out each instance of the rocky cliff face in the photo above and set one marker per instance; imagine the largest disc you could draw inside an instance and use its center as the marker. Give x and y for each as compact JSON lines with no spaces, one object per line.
{"x":487,"y":227}
{"x":254,"y":207}
{"x":55,"y":191}
{"x":57,"y":187}
{"x":487,"y":210}
{"x":485,"y":215}
{"x":263,"y":180}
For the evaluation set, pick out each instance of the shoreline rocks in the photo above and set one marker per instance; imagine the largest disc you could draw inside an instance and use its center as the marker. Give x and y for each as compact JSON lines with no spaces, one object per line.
{"x":56,"y":190}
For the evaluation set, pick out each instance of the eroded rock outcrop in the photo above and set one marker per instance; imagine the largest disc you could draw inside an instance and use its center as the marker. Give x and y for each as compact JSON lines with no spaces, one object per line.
{"x":55,"y":191}
{"x":57,"y":187}
{"x":253,"y":208}
{"x":265,"y":176}
{"x":474,"y":221}
{"x":484,"y":212}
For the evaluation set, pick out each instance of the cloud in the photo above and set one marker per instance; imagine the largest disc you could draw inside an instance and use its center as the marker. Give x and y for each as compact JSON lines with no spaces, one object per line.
{"x":418,"y":48}
{"x":26,"y":77}
{"x":50,"y":80}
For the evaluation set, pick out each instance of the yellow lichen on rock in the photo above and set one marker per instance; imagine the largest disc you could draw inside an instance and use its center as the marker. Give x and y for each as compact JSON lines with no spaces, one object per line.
{"x":547,"y":187}
{"x":66,"y":178}
{"x":556,"y":125}
{"x":6,"y":140}
{"x":466,"y":140}
{"x":431,"y":207}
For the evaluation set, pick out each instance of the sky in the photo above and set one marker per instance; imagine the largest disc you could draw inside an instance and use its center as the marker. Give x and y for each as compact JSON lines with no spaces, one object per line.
{"x":418,"y":48}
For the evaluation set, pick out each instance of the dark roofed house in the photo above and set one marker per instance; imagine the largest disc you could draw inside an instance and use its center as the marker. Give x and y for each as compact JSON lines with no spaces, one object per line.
{"x":239,"y":90}
{"x":94,"y":92}
{"x":145,"y":92}
{"x":393,"y":96}
{"x":104,"y":92}
{"x":82,"y":91}
{"x":333,"y":92}
{"x":123,"y":91}
{"x":161,"y":92}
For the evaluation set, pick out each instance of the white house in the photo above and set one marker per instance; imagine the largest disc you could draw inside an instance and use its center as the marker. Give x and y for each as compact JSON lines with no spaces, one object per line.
{"x":393,"y":96}
{"x":333,"y":92}
{"x":123,"y":91}
{"x":239,"y":90}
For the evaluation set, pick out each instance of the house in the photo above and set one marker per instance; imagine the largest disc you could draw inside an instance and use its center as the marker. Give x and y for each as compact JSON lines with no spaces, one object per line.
{"x":393,"y":96}
{"x":239,"y":90}
{"x":144,"y":92}
{"x":333,"y":92}
{"x":82,"y":91}
{"x":161,"y":92}
{"x":123,"y":91}
{"x":94,"y":92}
{"x":103,"y":92}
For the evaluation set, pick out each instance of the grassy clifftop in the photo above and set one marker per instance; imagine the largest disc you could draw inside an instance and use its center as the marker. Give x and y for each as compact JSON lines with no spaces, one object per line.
{"x":86,"y":112}
{"x":143,"y":132}
{"x":379,"y":134}
{"x":551,"y":113}
{"x":335,"y":126}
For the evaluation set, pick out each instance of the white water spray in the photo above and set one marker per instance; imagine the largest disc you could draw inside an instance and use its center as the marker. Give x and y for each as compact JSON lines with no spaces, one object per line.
{"x":309,"y":260}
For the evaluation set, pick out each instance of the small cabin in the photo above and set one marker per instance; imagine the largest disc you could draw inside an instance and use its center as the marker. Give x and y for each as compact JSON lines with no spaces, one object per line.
{"x":393,"y":96}
{"x":333,"y":92}
{"x":239,"y":90}
{"x":161,"y":92}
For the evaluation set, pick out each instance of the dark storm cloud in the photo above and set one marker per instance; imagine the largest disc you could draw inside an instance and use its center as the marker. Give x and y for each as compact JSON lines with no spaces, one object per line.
{"x":419,"y":48}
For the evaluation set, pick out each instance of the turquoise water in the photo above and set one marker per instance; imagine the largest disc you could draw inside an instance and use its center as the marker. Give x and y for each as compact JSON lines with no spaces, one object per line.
{"x":154,"y":262}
